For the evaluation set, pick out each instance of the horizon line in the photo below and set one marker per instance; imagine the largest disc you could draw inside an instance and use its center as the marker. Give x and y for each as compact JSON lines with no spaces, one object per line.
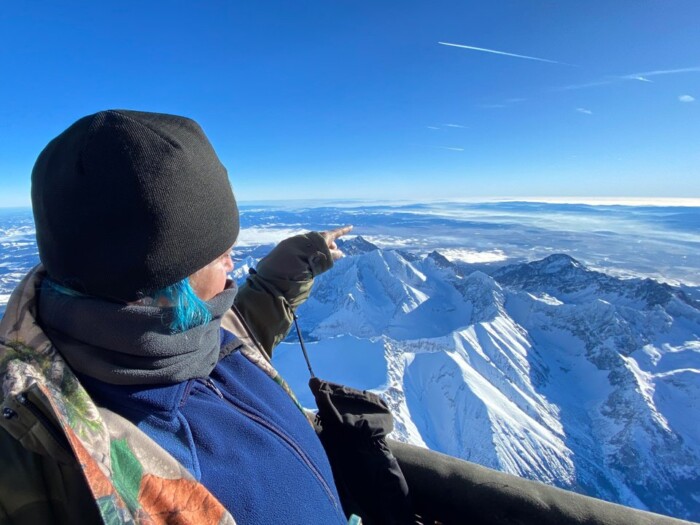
{"x":589,"y":200}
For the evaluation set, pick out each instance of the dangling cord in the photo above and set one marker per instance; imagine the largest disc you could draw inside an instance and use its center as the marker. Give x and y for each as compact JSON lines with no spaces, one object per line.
{"x":303,"y":346}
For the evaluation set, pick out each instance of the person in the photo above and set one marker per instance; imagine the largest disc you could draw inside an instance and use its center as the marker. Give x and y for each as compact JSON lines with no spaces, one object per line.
{"x":137,"y":384}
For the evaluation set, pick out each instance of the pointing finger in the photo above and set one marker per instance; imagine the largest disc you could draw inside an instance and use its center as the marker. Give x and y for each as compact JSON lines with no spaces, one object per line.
{"x":332,"y":235}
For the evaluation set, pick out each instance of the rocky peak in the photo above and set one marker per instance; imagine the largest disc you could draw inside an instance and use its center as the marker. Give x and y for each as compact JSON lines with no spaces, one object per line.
{"x":558,"y":268}
{"x":356,"y":245}
{"x":439,"y":259}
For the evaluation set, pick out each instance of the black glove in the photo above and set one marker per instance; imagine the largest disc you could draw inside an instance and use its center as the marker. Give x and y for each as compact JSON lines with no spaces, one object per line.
{"x":354,"y":425}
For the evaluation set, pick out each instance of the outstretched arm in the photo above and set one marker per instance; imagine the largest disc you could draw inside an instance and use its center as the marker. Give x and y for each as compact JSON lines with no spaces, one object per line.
{"x":282,"y":282}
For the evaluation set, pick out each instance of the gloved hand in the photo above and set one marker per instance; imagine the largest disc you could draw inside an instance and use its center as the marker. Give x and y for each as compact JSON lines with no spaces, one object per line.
{"x":354,"y":425}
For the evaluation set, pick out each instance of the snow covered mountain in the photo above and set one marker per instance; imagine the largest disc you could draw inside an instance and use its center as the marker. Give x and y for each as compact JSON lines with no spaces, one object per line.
{"x":548,"y":369}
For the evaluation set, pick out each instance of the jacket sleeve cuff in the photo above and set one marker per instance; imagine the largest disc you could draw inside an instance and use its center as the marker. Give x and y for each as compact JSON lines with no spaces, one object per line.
{"x":299,"y":258}
{"x":320,"y":259}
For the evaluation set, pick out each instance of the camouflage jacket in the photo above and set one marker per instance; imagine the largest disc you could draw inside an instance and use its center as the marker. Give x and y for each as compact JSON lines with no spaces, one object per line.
{"x":63,"y":459}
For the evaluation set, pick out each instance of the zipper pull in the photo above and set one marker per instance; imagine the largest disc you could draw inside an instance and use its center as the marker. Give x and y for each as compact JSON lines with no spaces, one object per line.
{"x":208,"y":381}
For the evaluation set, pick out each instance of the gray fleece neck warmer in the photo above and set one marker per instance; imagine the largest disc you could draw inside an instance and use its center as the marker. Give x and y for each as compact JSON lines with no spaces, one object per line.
{"x":129,"y":344}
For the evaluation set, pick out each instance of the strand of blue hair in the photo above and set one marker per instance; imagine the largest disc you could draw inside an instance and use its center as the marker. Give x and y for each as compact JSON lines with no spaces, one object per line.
{"x":188,"y":309}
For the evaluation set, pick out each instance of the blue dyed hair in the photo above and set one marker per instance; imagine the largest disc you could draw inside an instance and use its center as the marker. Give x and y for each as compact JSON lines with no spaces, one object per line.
{"x":188,"y":309}
{"x":53,"y":285}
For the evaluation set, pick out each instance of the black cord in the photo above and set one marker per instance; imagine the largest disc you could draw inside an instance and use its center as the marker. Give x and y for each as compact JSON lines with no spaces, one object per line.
{"x":303,"y":346}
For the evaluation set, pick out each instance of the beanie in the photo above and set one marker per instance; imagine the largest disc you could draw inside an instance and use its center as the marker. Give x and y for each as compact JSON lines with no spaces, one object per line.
{"x":126,"y":203}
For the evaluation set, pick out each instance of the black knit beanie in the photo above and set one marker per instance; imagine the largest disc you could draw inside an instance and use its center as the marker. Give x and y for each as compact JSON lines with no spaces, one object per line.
{"x":126,"y":203}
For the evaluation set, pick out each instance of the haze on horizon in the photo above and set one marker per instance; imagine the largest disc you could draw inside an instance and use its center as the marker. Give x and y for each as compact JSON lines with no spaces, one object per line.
{"x":444,"y":100}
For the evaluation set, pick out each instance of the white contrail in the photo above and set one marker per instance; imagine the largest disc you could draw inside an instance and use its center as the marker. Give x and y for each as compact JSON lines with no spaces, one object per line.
{"x":588,"y":84}
{"x":502,"y":53}
{"x":642,"y":76}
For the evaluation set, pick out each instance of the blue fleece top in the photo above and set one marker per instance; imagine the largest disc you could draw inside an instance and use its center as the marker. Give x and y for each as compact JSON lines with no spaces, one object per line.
{"x":241,"y":435}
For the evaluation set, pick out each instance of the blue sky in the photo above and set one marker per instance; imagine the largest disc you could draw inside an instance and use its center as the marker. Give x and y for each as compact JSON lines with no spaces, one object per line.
{"x":312,"y":99}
